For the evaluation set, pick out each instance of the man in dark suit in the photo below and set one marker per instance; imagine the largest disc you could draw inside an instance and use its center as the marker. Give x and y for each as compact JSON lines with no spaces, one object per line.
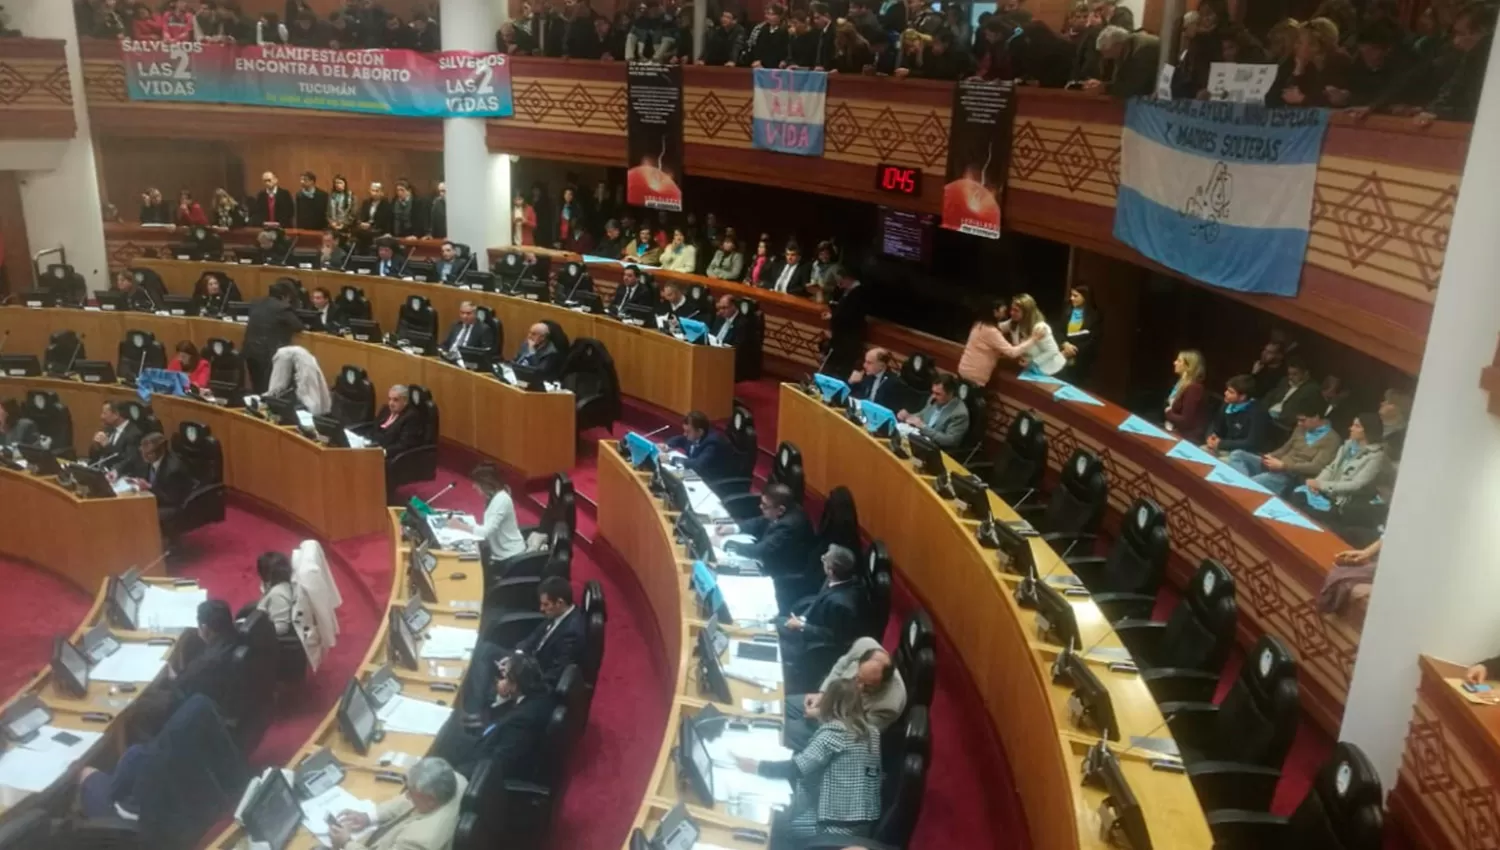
{"x":468,"y":331}
{"x":375,"y":215}
{"x":790,"y":274}
{"x":547,"y":30}
{"x":538,"y":353}
{"x":408,"y":212}
{"x":1294,"y":392}
{"x":207,"y":668}
{"x":822,"y":626}
{"x":273,"y":322}
{"x":437,"y":214}
{"x":708,"y":452}
{"x":400,"y":428}
{"x":312,"y":204}
{"x":448,"y":266}
{"x":784,"y":544}
{"x":330,"y":313}
{"x":676,"y":303}
{"x":117,"y":440}
{"x":633,"y":292}
{"x":553,"y":645}
{"x":387,"y":264}
{"x":846,"y":322}
{"x":510,"y":727}
{"x":157,"y":470}
{"x":15,"y":430}
{"x":875,"y":381}
{"x":273,"y":204}
{"x":726,"y":327}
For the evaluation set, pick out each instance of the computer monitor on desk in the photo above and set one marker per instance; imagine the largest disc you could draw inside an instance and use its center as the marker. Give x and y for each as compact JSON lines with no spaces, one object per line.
{"x":24,"y":717}
{"x":1090,"y":704}
{"x":711,"y":604}
{"x":637,"y":313}
{"x":20,"y":366}
{"x":364,"y":330}
{"x":331,"y":430}
{"x":357,"y":719}
{"x":419,"y":566}
{"x":110,"y":300}
{"x":401,"y":641}
{"x":90,"y":483}
{"x":693,"y":761}
{"x":70,"y":668}
{"x":693,"y":533}
{"x":312,"y":320}
{"x":414,"y":528}
{"x":676,"y":491}
{"x":1015,"y":549}
{"x":124,"y":603}
{"x":273,"y":813}
{"x":928,"y":455}
{"x":282,"y":411}
{"x":973,"y":495}
{"x":477,"y":280}
{"x":1122,"y":822}
{"x":1055,"y":621}
{"x":711,"y":679}
{"x":41,"y":460}
{"x":531,"y":289}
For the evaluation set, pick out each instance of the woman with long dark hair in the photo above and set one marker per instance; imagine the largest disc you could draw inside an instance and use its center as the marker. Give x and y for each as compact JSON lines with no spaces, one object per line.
{"x":1082,"y":336}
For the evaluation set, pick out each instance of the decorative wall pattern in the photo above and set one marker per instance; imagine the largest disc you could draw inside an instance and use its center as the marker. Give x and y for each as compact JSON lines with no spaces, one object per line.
{"x":36,"y":96}
{"x":1446,"y":792}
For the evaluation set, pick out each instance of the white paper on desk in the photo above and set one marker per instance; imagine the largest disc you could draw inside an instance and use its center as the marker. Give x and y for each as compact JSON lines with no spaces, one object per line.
{"x":768,"y":672}
{"x":35,"y":765}
{"x":305,"y":419}
{"x":742,"y":539}
{"x":749,"y":597}
{"x":759,"y":743}
{"x":449,"y":642}
{"x":132,"y":662}
{"x":122,"y":487}
{"x":334,"y":801}
{"x":165,"y":609}
{"x":413,"y":716}
{"x":356,"y":441}
{"x":704,"y":501}
{"x":905,"y":430}
{"x":736,"y":784}
{"x":452,"y":538}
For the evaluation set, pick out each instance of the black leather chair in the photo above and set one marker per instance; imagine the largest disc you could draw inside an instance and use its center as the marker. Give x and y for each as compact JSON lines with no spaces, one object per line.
{"x":257,"y":660}
{"x":64,"y":348}
{"x":559,"y":338}
{"x":562,"y":506}
{"x":745,"y":442}
{"x":972,"y":395}
{"x":916,"y":658}
{"x":416,"y":323}
{"x":840,"y":842}
{"x":1124,"y":582}
{"x":420,"y":462}
{"x":1342,"y":811}
{"x":27,"y":830}
{"x":53,"y":420}
{"x":511,"y":584}
{"x":1234,"y":750}
{"x":596,"y":617}
{"x":66,"y":284}
{"x":588,"y":371}
{"x":353,"y":397}
{"x":749,"y":355}
{"x":507,"y":271}
{"x":150,"y":281}
{"x":353,"y":303}
{"x":195,"y":444}
{"x":1180,"y":658}
{"x":786,"y":468}
{"x":139,"y":350}
{"x":1017,"y":466}
{"x":572,"y":279}
{"x":485,"y":315}
{"x":917,"y":374}
{"x":905,"y":780}
{"x":911,"y":734}
{"x":1075,"y":508}
{"x":225,"y":365}
{"x":142,"y":415}
{"x":877,"y":579}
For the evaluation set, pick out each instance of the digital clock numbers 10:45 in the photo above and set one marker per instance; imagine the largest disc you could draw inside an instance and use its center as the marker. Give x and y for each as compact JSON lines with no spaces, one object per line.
{"x":898,"y":179}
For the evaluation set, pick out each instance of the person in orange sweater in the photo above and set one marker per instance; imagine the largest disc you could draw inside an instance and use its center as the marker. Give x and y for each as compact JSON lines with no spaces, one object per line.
{"x":187,"y":360}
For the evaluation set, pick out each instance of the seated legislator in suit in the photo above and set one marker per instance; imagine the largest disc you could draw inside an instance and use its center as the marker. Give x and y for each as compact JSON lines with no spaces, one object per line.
{"x":784,"y":544}
{"x":331,"y":255}
{"x":553,"y":644}
{"x":329,"y":311}
{"x":387,"y":264}
{"x":15,"y":430}
{"x":726,"y":327}
{"x":871,"y":669}
{"x":633,"y":293}
{"x":163,"y":474}
{"x":538,"y":353}
{"x":835,"y":778}
{"x":136,"y":297}
{"x":824,"y":625}
{"x":676,"y":304}
{"x":212,"y":295}
{"x":117,"y":440}
{"x":400,"y":427}
{"x":423,"y":818}
{"x":468,"y":332}
{"x":448,"y":265}
{"x":206,"y":666}
{"x":708,"y":452}
{"x":874,"y":380}
{"x":945,"y":419}
{"x":510,"y":735}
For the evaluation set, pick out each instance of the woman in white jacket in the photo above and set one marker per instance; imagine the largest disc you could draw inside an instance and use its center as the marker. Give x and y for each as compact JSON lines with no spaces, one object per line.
{"x":1032,"y":337}
{"x":681,"y":255}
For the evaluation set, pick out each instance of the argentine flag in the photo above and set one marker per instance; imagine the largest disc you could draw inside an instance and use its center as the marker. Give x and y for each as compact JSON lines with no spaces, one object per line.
{"x":788,"y":111}
{"x":1221,"y":192}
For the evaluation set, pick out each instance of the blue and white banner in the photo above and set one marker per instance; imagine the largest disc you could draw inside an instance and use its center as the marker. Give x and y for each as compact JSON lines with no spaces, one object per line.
{"x":788,"y":113}
{"x":1221,"y":192}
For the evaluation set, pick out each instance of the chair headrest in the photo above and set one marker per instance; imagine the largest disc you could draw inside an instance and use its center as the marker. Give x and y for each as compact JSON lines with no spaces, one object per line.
{"x":1269,"y":661}
{"x":1144,"y":520}
{"x":1348,"y":779}
{"x":192,"y":432}
{"x":918,"y":632}
{"x":1083,"y":465}
{"x":1211,"y":581}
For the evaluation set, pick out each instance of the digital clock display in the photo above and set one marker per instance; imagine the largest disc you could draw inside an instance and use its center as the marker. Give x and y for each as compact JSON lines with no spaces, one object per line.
{"x":898,"y":179}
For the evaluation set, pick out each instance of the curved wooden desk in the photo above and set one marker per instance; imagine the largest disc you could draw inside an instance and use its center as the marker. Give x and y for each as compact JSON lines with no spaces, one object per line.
{"x":1280,"y":568}
{"x":962,"y":585}
{"x":651,"y":365}
{"x":337,"y":493}
{"x":640,"y":529}
{"x":81,"y":540}
{"x":529,"y":432}
{"x":68,"y":712}
{"x":456,"y":598}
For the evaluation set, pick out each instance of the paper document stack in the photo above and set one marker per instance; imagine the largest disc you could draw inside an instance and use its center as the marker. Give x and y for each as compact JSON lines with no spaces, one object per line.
{"x":749,"y":597}
{"x":36,"y":764}
{"x":165,"y":609}
{"x":334,"y":801}
{"x":453,"y":538}
{"x":449,"y":642}
{"x":413,"y":716}
{"x":767,"y":673}
{"x":132,"y":662}
{"x":355,"y":440}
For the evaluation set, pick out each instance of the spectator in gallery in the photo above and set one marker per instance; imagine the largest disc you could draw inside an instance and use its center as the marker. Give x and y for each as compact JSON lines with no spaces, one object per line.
{"x":396,"y":36}
{"x":680,"y":255}
{"x":374,"y":217}
{"x":993,"y":51}
{"x":728,"y":263}
{"x":308,"y":31}
{"x":1317,"y":66}
{"x":820,"y":276}
{"x":988,"y":342}
{"x":437,"y":213}
{"x":144,"y":25}
{"x":1457,"y":97}
{"x":1295,"y":391}
{"x":1030,"y":337}
{"x":723,"y":44}
{"x":570,"y":219}
{"x":408,"y":213}
{"x":1238,"y":45}
{"x":613,"y":243}
{"x":945,"y":60}
{"x":653,"y":36}
{"x":104,"y":20}
{"x":225,"y":212}
{"x":311,"y":202}
{"x":1187,"y":408}
{"x":507,"y":40}
{"x":851,"y":51}
{"x":155,"y":209}
{"x":760,"y":264}
{"x":522,"y":222}
{"x":1240,"y":424}
{"x":913,"y":53}
{"x":1134,"y":58}
{"x":341,"y":204}
{"x":189,"y":212}
{"x":768,"y":43}
{"x":1394,"y":411}
{"x":546,"y":28}
{"x":600,"y":42}
{"x":425,"y":37}
{"x":1201,"y":50}
{"x":1351,"y":475}
{"x":1312,"y":445}
{"x":581,"y":19}
{"x":177,"y":22}
{"x":642,"y":249}
{"x":270,"y":30}
{"x":1082,"y":338}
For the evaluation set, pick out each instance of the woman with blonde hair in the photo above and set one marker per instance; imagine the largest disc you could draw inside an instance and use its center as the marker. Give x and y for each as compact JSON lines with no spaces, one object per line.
{"x":1187,"y":413}
{"x":1031,"y":337}
{"x":225,"y":213}
{"x":1317,"y":64}
{"x":295,"y":372}
{"x":1281,"y":40}
{"x":914,"y":48}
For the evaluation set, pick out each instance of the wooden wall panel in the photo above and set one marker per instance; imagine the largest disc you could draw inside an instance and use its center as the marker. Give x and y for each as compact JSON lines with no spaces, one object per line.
{"x":128,"y":166}
{"x":15,"y":251}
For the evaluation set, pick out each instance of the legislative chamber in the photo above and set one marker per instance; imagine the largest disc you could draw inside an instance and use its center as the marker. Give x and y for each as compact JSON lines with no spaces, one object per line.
{"x":460,"y":425}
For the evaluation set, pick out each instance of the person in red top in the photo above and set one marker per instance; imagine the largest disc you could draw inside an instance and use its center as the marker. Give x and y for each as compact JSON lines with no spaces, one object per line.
{"x":523,"y":223}
{"x":177,"y":22}
{"x":187,"y":360}
{"x":1187,"y":414}
{"x":189,"y":213}
{"x":145,"y":26}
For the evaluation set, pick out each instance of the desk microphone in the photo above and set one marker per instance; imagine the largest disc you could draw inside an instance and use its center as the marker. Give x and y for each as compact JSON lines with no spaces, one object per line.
{"x":96,"y":464}
{"x":657,"y":431}
{"x":71,"y":360}
{"x":434,"y":496}
{"x":825,"y":358}
{"x":139,"y":367}
{"x":576,"y":284}
{"x":1141,"y":738}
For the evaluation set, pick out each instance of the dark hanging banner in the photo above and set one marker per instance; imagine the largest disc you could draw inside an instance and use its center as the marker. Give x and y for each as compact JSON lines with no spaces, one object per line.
{"x":654,"y":136}
{"x":978,"y":156}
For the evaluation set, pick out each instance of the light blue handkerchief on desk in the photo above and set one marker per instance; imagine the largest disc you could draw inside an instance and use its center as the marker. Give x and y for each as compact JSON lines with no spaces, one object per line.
{"x":1280,"y":511}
